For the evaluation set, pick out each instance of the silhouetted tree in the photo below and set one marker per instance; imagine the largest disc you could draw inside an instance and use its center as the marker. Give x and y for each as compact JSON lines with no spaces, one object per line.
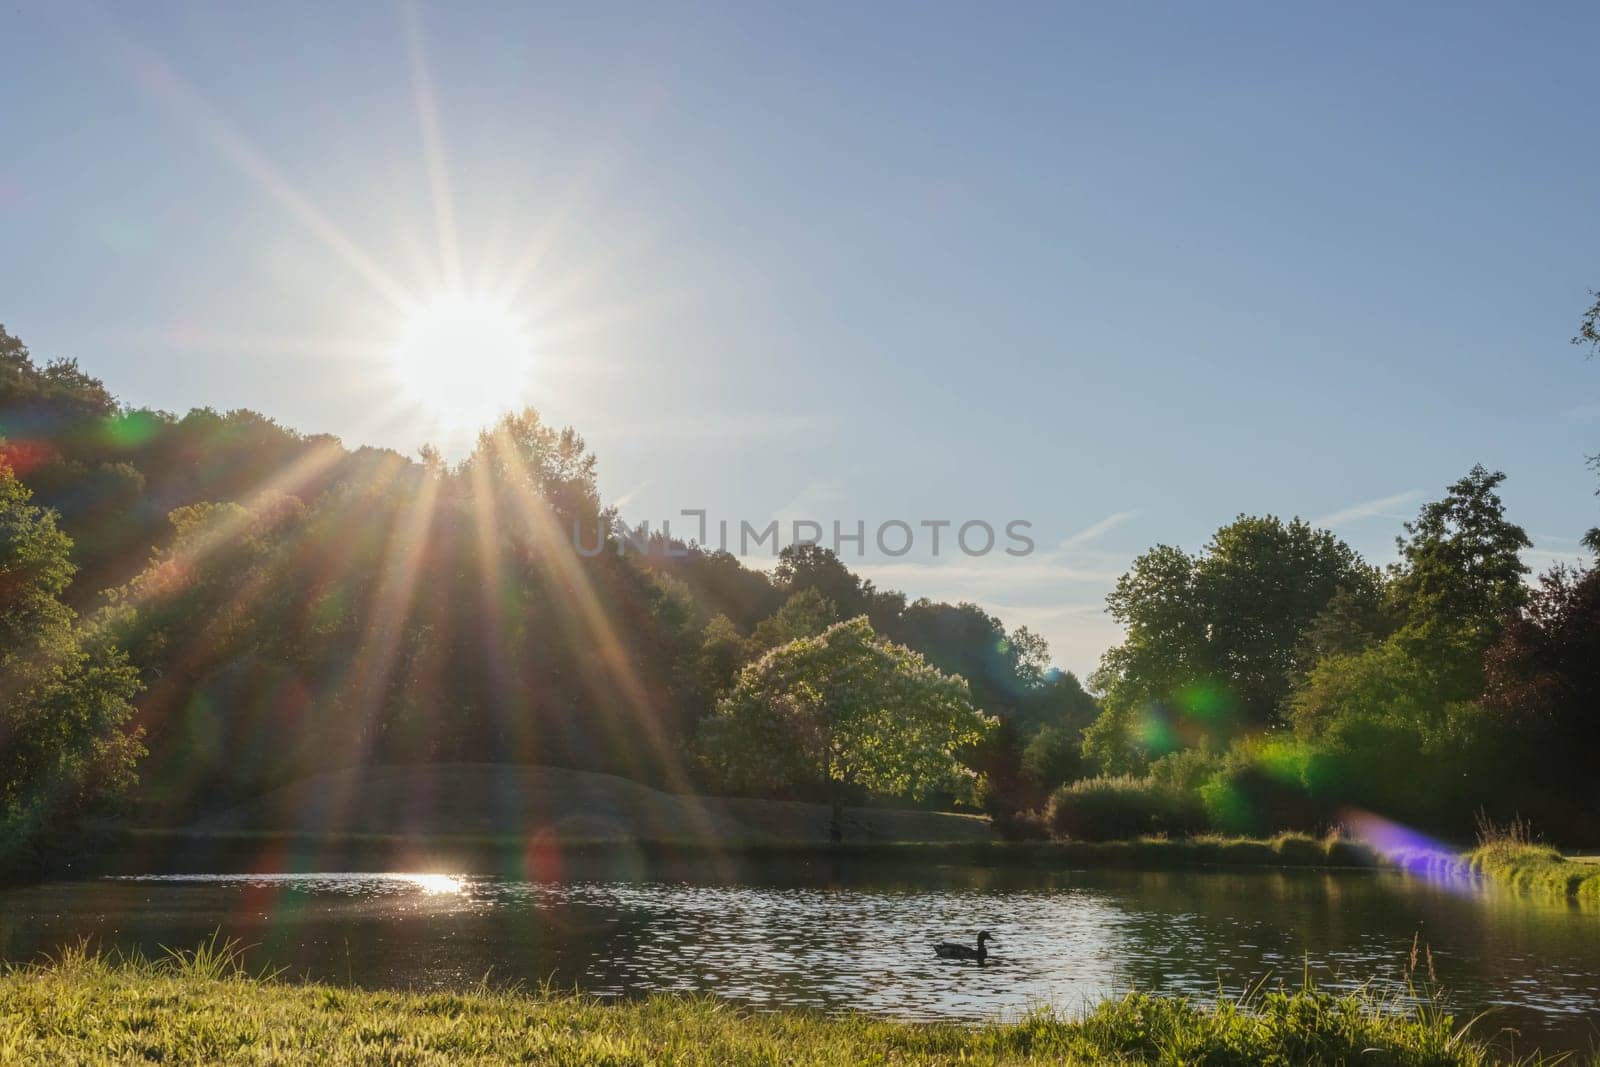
{"x":65,"y":752}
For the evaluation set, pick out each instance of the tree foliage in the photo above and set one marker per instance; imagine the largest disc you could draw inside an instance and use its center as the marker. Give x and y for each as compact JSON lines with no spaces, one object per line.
{"x":65,"y":751}
{"x":1212,"y":639}
{"x":294,"y":606}
{"x":844,"y":710}
{"x":1542,"y":694}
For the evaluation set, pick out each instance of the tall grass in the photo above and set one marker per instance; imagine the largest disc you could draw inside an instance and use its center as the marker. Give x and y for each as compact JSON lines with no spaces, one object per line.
{"x":202,"y":1006}
{"x":1512,"y":855}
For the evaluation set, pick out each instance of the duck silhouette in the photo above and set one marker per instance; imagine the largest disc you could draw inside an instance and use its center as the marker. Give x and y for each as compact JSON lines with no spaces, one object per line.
{"x":949,"y":950}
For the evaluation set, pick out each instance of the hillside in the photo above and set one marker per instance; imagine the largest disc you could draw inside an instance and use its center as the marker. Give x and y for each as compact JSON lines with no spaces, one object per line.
{"x":487,"y":798}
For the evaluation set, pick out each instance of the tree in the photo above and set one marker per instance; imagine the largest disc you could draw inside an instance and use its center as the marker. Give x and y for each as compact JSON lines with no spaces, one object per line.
{"x":1543,"y":689}
{"x":1354,"y":620}
{"x":1458,"y":580}
{"x":723,"y":650}
{"x":806,"y":566}
{"x":1054,"y":756}
{"x":843,"y":710}
{"x":65,"y":696}
{"x":1395,"y":722}
{"x":1212,"y":639}
{"x":1263,"y":582}
{"x":805,"y":614}
{"x":522,"y":454}
{"x":1588,"y":336}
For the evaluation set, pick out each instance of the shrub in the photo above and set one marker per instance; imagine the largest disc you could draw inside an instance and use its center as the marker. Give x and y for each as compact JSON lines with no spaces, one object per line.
{"x":1054,"y":756}
{"x":1300,"y":850}
{"x":1187,"y":769}
{"x":1110,"y":809}
{"x":1260,"y":789}
{"x":1019,"y":824}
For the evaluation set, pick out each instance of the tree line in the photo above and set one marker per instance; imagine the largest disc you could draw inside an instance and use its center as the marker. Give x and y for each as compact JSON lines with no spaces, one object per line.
{"x":273,"y":604}
{"x":197,"y":609}
{"x":1275,"y":680}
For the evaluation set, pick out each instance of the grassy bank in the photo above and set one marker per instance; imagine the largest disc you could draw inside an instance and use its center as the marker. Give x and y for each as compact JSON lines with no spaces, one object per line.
{"x":1537,"y":870}
{"x":202,"y":1008}
{"x":1531,"y":869}
{"x":1511,"y":857}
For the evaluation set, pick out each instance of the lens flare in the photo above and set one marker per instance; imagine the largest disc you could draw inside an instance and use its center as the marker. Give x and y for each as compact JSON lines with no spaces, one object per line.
{"x":435,"y":884}
{"x":463,"y":361}
{"x":1410,"y":850}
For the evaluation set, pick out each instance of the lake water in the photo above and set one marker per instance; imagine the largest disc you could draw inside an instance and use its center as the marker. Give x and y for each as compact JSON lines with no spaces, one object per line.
{"x":854,"y":938}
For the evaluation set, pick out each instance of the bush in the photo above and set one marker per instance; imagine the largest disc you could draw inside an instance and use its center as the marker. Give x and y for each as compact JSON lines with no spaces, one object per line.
{"x":1187,"y":769}
{"x":1014,"y":824}
{"x":1301,"y":850}
{"x":1111,"y":809}
{"x":1054,"y":756}
{"x":1261,"y":789}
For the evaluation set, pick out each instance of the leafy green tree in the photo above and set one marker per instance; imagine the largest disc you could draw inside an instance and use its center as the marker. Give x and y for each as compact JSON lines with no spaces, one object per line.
{"x":1396,"y":724}
{"x":65,"y":696}
{"x":1459,"y":580}
{"x":1054,"y":756}
{"x":845,"y":710}
{"x":1263,"y":582}
{"x":1355,"y":619}
{"x":804,"y":566}
{"x":805,"y":614}
{"x":522,"y":454}
{"x":723,"y":650}
{"x":1031,"y":656}
{"x":1212,"y":639}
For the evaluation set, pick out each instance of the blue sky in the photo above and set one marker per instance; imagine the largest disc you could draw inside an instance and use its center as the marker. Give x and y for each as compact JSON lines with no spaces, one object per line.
{"x":1123,"y":271}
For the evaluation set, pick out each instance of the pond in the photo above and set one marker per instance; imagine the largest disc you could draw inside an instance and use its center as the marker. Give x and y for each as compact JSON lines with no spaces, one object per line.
{"x":851,"y":937}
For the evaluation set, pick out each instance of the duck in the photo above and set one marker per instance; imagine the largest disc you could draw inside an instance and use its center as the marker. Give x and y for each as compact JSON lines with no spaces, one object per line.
{"x":949,"y":950}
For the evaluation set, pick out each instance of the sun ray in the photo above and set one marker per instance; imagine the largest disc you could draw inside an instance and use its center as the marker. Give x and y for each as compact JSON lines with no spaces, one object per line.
{"x":571,"y":206}
{"x":164,"y":84}
{"x":369,"y":669}
{"x":433,"y":149}
{"x":609,"y":673}
{"x":487,"y":528}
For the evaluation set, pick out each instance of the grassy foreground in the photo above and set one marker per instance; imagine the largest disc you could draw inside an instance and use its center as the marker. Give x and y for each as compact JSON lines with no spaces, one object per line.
{"x":201,"y":1007}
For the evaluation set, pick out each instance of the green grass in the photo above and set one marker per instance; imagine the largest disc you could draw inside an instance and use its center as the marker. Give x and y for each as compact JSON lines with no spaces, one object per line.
{"x":202,"y":1007}
{"x":1536,"y":870}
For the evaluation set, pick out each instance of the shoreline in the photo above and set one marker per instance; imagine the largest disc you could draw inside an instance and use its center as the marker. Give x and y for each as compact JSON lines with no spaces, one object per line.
{"x":1528,"y":870}
{"x":475,"y":852}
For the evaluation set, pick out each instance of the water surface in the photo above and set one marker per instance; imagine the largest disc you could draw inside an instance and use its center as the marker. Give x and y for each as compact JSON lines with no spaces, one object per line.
{"x":854,"y":938}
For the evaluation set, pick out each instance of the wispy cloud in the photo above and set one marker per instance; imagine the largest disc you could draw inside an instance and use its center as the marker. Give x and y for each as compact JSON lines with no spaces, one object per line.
{"x":1383,"y":507}
{"x":623,"y":500}
{"x":1090,"y":533}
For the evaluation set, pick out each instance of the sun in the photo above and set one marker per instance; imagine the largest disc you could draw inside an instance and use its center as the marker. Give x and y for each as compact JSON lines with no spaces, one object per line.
{"x":462,"y":360}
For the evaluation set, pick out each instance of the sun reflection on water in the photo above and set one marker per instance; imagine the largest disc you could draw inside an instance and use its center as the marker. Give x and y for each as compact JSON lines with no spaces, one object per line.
{"x":434,"y":884}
